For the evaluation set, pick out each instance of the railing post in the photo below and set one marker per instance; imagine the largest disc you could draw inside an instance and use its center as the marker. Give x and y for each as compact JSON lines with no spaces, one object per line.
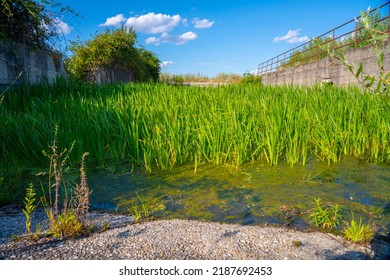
{"x":291,"y":58}
{"x":356,"y":27}
{"x":333,"y":36}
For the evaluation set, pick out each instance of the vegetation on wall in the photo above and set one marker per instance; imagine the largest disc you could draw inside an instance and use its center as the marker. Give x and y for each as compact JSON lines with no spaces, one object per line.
{"x":361,"y":38}
{"x":377,"y":37}
{"x":34,"y":23}
{"x":112,"y":49}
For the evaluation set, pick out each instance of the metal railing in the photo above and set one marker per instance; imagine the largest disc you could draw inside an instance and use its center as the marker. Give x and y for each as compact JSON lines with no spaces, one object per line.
{"x":345,"y":35}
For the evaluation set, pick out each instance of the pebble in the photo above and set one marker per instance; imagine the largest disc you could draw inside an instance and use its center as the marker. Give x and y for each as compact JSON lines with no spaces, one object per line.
{"x":179,"y":239}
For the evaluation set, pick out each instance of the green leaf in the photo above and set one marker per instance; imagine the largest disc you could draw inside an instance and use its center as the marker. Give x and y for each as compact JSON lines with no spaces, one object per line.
{"x":360,"y":70}
{"x":381,"y":59}
{"x":371,"y":81}
{"x":381,"y":37}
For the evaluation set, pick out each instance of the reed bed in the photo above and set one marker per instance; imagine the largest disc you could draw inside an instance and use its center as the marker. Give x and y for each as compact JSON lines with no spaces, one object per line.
{"x":159,"y":126}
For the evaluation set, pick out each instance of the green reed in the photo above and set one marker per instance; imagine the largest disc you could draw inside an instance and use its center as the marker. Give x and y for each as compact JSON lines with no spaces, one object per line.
{"x":160,"y":126}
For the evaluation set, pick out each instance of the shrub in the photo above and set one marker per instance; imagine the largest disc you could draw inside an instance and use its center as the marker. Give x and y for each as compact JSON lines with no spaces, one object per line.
{"x":112,"y":49}
{"x":250,"y":79}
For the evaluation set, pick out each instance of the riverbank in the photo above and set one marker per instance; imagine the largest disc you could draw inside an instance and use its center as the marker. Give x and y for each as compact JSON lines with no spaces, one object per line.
{"x":182,"y":239}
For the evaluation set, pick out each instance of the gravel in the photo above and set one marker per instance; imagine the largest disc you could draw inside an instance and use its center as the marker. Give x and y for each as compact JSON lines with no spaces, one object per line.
{"x":178,"y":239}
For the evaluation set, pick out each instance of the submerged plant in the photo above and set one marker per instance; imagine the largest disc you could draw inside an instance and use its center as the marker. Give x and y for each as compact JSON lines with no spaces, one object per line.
{"x":288,"y":214}
{"x":309,"y":177}
{"x":325,"y":216}
{"x":140,"y":210}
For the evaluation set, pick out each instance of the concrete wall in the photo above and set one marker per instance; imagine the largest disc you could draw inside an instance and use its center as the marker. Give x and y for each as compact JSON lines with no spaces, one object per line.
{"x":33,"y":65}
{"x":111,"y":75}
{"x":328,"y":70}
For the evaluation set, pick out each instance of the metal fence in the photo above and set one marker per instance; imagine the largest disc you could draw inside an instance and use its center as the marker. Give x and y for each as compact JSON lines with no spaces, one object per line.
{"x":347,"y":35}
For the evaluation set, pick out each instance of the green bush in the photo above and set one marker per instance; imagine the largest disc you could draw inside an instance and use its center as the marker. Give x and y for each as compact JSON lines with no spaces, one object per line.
{"x":112,"y":49}
{"x":250,"y":79}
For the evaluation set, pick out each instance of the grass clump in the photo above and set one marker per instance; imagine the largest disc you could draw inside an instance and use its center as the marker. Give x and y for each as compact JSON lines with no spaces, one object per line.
{"x":140,"y":210}
{"x":66,"y":224}
{"x":357,"y":232}
{"x":328,"y":216}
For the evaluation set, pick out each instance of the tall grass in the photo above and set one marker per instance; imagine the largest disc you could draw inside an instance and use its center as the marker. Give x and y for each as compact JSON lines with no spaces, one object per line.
{"x":159,"y":126}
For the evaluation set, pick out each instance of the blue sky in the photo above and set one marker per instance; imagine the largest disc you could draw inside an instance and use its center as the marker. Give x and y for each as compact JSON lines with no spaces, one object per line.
{"x":211,"y":37}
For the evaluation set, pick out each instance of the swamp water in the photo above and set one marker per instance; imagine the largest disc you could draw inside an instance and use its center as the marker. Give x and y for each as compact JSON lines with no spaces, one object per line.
{"x":254,"y":193}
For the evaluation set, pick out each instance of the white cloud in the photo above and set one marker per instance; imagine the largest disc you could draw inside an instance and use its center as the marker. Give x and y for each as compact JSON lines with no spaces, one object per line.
{"x":291,"y":37}
{"x":62,"y":27}
{"x":204,"y":63}
{"x":188,"y":36}
{"x":177,"y":40}
{"x":153,"y":23}
{"x":290,"y":34}
{"x":298,"y":40}
{"x":114,"y":21}
{"x":166,"y":64}
{"x":152,"y":40}
{"x":202,"y":23}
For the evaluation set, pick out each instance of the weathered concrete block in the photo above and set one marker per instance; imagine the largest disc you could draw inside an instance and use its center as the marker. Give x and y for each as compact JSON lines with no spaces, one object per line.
{"x":33,"y":65}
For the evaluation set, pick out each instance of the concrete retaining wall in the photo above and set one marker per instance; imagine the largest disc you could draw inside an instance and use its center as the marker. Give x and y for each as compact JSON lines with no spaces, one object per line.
{"x":20,"y":64}
{"x":328,"y":70}
{"x":111,"y":75}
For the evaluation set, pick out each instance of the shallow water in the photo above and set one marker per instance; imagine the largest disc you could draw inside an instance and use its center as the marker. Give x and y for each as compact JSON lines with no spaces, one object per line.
{"x":251,"y":194}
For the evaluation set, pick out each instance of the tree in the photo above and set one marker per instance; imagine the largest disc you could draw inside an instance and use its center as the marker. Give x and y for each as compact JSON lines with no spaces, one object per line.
{"x":31,"y":22}
{"x":112,"y":49}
